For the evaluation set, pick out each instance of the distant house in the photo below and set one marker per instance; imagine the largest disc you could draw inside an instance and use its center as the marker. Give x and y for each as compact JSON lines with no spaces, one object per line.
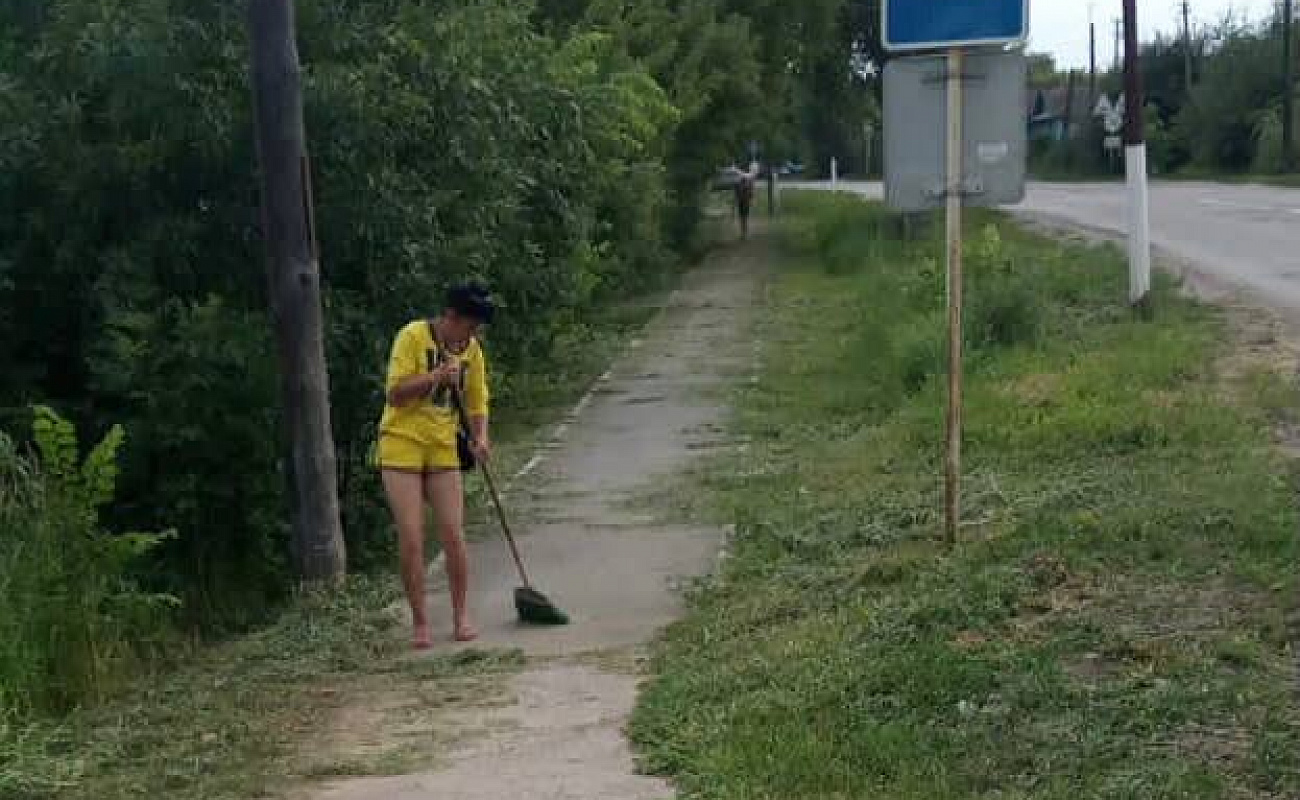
{"x":1045,"y":112}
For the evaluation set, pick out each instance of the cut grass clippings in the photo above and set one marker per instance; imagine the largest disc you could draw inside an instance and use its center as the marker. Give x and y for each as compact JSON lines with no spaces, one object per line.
{"x":1113,"y":624}
{"x":253,"y":716}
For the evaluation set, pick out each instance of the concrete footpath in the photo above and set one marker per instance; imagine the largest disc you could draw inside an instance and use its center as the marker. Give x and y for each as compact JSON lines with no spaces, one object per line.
{"x":598,"y":553}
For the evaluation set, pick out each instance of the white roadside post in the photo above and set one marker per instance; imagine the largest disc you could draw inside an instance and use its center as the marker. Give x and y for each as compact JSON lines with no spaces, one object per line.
{"x":1139,"y":224}
{"x":835,"y":172}
{"x":1135,"y":168}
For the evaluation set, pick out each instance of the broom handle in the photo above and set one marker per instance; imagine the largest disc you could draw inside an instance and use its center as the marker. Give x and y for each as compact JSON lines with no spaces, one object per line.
{"x":505,"y":525}
{"x":459,"y":402}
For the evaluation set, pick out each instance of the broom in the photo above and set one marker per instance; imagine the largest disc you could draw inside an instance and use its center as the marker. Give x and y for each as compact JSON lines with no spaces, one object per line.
{"x":533,"y":607}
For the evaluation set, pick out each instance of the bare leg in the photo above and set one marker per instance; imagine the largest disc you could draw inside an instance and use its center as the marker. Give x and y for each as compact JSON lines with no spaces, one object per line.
{"x":406,"y":499}
{"x":444,"y":491}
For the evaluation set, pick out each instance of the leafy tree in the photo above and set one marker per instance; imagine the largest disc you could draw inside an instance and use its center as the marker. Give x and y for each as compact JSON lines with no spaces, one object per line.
{"x":1240,"y":81}
{"x":449,"y":141}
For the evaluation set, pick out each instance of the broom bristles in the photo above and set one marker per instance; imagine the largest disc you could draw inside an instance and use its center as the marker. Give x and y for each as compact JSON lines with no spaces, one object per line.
{"x":534,"y":608}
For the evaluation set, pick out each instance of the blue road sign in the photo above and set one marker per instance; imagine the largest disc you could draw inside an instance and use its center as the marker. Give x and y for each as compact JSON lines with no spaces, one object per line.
{"x":941,"y":24}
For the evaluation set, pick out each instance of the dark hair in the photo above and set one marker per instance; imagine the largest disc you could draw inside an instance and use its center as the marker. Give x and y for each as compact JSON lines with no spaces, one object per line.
{"x":471,"y":300}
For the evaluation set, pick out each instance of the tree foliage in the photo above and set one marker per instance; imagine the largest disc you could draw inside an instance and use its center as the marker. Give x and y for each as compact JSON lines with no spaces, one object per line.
{"x":1240,"y":84}
{"x":1227,"y":120}
{"x":448,"y":142}
{"x":558,"y":150}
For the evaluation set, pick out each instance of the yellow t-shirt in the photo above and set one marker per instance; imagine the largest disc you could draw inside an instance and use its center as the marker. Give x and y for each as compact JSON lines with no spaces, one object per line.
{"x":431,"y":420}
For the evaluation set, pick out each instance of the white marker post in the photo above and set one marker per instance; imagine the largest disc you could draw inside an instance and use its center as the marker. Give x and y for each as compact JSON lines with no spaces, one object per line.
{"x":952,"y":483}
{"x":1135,"y":168}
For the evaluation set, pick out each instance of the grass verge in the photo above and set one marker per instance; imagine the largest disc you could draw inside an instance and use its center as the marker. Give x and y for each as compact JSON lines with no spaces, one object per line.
{"x":1113,"y":624}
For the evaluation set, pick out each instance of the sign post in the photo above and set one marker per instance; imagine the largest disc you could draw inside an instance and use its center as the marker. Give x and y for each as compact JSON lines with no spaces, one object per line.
{"x":952,"y":483}
{"x":955,"y":28}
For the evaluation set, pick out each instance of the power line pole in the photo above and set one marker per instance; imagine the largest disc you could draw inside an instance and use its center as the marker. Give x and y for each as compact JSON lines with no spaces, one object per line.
{"x":1135,"y":163}
{"x":1288,"y":93}
{"x":1187,"y":47}
{"x":1092,"y":61}
{"x":1119,"y":47}
{"x":293,"y":273}
{"x":1068,"y":114}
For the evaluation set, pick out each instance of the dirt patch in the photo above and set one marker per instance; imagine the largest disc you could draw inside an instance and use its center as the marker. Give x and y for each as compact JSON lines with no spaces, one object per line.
{"x":561,"y":738}
{"x":401,"y":720}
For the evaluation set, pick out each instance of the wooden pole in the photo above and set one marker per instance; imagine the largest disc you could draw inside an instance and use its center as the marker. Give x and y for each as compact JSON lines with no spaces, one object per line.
{"x":952,"y":484}
{"x":1288,"y":91}
{"x":1119,"y":44}
{"x":294,"y":281}
{"x":771,"y":189}
{"x":1068,"y":115}
{"x":1092,"y":62}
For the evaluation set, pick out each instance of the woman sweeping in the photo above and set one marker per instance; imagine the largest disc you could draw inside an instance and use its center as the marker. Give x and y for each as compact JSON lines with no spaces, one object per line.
{"x":422,"y":450}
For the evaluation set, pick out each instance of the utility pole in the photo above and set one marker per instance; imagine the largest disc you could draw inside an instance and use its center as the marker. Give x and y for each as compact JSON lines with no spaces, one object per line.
{"x":866,"y":151}
{"x":1187,"y":47}
{"x":293,"y":274}
{"x":1288,"y":93}
{"x":1135,"y":163}
{"x":1092,"y":61}
{"x":1069,"y":104}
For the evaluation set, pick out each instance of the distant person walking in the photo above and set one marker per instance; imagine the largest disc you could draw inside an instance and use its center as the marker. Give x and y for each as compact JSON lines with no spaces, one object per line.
{"x":745,"y":197}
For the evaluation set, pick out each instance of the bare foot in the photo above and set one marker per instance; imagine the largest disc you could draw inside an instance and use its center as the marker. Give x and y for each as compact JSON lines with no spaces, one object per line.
{"x":422,"y":638}
{"x":465,"y":632}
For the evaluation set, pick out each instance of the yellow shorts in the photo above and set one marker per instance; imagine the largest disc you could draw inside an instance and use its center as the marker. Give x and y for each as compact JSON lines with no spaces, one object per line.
{"x":399,"y":452}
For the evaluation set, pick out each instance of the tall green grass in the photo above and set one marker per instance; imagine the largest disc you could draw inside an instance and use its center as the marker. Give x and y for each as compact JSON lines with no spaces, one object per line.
{"x":73,"y":619}
{"x":1112,"y":624}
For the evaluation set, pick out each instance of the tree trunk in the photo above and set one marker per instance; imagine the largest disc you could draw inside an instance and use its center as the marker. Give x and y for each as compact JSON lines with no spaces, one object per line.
{"x":294,"y":278}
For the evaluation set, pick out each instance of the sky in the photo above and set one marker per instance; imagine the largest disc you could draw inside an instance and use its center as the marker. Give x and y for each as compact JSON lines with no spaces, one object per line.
{"x":1060,"y":27}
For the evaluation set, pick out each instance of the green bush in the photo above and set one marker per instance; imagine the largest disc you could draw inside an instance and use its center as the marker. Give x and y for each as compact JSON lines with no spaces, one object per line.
{"x":1269,"y":150}
{"x":1220,"y":122}
{"x":73,"y":619}
{"x":448,"y":141}
{"x":1005,"y":307}
{"x":558,"y":151}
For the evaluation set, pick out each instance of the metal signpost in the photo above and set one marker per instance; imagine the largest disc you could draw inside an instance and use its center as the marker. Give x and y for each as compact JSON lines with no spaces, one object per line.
{"x":994,"y":138}
{"x":955,"y":27}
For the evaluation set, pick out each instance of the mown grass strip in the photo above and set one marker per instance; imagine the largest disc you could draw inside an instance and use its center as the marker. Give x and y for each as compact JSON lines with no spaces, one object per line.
{"x":1113,"y":624}
{"x":255,"y":715}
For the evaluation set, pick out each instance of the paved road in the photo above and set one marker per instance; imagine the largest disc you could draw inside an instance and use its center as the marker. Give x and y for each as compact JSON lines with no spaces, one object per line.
{"x":1245,"y":235}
